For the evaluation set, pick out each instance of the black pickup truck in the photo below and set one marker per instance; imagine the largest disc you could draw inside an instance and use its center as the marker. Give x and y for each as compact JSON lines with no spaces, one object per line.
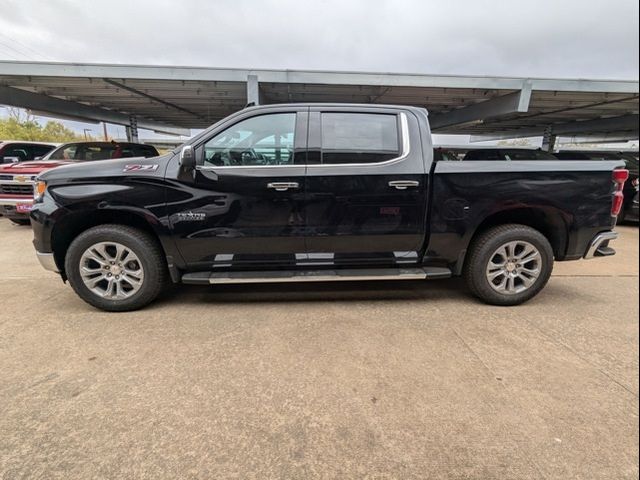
{"x":319,"y":192}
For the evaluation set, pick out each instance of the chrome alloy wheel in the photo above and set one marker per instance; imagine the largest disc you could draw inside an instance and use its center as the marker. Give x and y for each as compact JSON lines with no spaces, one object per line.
{"x":514,"y":267}
{"x":111,"y":270}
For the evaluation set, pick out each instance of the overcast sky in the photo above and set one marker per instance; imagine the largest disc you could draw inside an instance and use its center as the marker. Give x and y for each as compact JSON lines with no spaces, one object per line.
{"x":535,"y":38}
{"x":561,"y":38}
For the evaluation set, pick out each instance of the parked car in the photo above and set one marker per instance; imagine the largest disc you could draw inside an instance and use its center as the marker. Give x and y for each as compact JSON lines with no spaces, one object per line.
{"x":19,"y":151}
{"x":508,"y":154}
{"x":17,"y":179}
{"x":317,"y":192}
{"x":629,"y":210}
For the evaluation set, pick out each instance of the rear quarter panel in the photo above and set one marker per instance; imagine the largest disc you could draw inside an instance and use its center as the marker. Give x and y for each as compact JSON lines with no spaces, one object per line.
{"x":464,"y":194}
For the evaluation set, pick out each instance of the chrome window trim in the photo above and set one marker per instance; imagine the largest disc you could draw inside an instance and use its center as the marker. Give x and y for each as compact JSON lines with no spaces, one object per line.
{"x":245,"y":167}
{"x":406,"y":150}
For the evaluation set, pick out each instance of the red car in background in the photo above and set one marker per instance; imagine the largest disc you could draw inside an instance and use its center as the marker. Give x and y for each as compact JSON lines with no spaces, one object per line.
{"x":17,"y":179}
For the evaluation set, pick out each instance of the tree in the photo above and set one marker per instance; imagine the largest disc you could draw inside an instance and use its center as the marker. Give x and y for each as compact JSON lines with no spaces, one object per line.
{"x":23,"y":125}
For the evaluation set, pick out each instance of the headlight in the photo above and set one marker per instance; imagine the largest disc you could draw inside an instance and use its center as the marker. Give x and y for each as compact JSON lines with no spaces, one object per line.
{"x":38,"y":190}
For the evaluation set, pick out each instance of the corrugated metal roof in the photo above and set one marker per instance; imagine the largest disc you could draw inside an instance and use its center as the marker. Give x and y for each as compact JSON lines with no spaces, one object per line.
{"x":195,"y":97}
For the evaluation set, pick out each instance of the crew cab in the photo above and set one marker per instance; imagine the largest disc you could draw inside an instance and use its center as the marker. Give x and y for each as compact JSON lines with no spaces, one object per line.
{"x":319,"y":192}
{"x":17,"y":179}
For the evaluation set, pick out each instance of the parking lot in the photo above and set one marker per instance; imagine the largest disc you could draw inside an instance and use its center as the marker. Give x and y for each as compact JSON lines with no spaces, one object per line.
{"x":348,"y":380}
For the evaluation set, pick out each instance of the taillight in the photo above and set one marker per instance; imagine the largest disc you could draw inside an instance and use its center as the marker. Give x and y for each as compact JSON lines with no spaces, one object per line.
{"x":616,"y":206}
{"x":619,"y":177}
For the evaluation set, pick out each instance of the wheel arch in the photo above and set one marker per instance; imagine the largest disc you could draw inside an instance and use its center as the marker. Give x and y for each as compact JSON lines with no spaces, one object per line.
{"x":548,"y":221}
{"x":67,"y":228}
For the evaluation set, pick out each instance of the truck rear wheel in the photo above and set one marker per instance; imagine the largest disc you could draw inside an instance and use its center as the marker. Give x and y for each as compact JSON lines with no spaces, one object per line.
{"x":508,"y":264}
{"x":116,"y":268}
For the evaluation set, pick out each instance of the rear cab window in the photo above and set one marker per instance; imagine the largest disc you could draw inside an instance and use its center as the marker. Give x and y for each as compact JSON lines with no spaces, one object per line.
{"x":358,"y":138}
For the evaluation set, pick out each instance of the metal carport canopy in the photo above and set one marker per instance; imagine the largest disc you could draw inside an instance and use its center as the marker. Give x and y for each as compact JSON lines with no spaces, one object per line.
{"x":171,"y":99}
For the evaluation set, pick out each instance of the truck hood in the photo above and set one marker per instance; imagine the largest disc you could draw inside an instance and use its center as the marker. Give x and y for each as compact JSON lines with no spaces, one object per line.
{"x":120,"y":167}
{"x":31,"y":168}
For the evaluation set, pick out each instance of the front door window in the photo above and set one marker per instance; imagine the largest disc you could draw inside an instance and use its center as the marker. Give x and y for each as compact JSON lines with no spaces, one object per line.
{"x":266,"y":140}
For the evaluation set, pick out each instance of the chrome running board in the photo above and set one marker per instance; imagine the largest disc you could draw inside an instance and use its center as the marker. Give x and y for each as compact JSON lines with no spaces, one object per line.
{"x":295,"y":276}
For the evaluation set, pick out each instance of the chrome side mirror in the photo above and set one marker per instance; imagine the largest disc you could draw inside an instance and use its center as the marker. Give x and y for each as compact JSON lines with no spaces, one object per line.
{"x":187,"y":157}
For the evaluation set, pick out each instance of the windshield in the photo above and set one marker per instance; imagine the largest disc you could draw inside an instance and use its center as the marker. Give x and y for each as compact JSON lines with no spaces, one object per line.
{"x":84,"y":152}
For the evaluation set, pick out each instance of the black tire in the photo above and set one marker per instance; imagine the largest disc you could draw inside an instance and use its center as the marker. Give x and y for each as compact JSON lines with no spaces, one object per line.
{"x":482,"y":250}
{"x":20,"y":221}
{"x":143,"y":245}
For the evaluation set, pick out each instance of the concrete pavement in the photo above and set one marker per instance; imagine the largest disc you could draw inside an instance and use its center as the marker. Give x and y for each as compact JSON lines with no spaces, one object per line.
{"x":349,"y":380}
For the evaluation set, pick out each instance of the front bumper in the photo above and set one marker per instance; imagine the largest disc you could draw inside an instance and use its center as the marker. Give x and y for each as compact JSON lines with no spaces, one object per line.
{"x":16,"y":201}
{"x":47,"y":261}
{"x":599,"y":245}
{"x":16,"y":206}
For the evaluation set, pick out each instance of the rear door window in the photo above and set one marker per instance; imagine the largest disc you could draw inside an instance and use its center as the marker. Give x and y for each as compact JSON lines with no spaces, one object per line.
{"x":349,"y":138}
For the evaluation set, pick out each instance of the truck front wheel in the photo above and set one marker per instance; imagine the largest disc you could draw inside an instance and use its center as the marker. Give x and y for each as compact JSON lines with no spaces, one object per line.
{"x":508,"y":264}
{"x":116,"y":267}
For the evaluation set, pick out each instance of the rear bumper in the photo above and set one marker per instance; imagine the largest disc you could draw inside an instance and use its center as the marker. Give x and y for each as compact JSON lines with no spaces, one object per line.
{"x":599,"y":245}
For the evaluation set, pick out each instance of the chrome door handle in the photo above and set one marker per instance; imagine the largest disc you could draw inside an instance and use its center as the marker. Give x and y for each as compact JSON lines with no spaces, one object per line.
{"x":282,"y":186}
{"x":403,"y":184}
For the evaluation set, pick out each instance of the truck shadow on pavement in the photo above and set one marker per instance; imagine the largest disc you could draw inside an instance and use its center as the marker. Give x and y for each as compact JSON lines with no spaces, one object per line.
{"x":433,"y":290}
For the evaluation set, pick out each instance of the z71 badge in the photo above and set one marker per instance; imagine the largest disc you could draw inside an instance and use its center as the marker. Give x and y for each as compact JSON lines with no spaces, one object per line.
{"x":141,"y":168}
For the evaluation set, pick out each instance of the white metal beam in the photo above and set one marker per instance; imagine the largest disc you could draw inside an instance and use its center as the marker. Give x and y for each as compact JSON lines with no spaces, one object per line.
{"x":599,"y":138}
{"x":253,"y":90}
{"x":88,"y":70}
{"x":516,"y":102}
{"x":627,"y":124}
{"x":16,"y":97}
